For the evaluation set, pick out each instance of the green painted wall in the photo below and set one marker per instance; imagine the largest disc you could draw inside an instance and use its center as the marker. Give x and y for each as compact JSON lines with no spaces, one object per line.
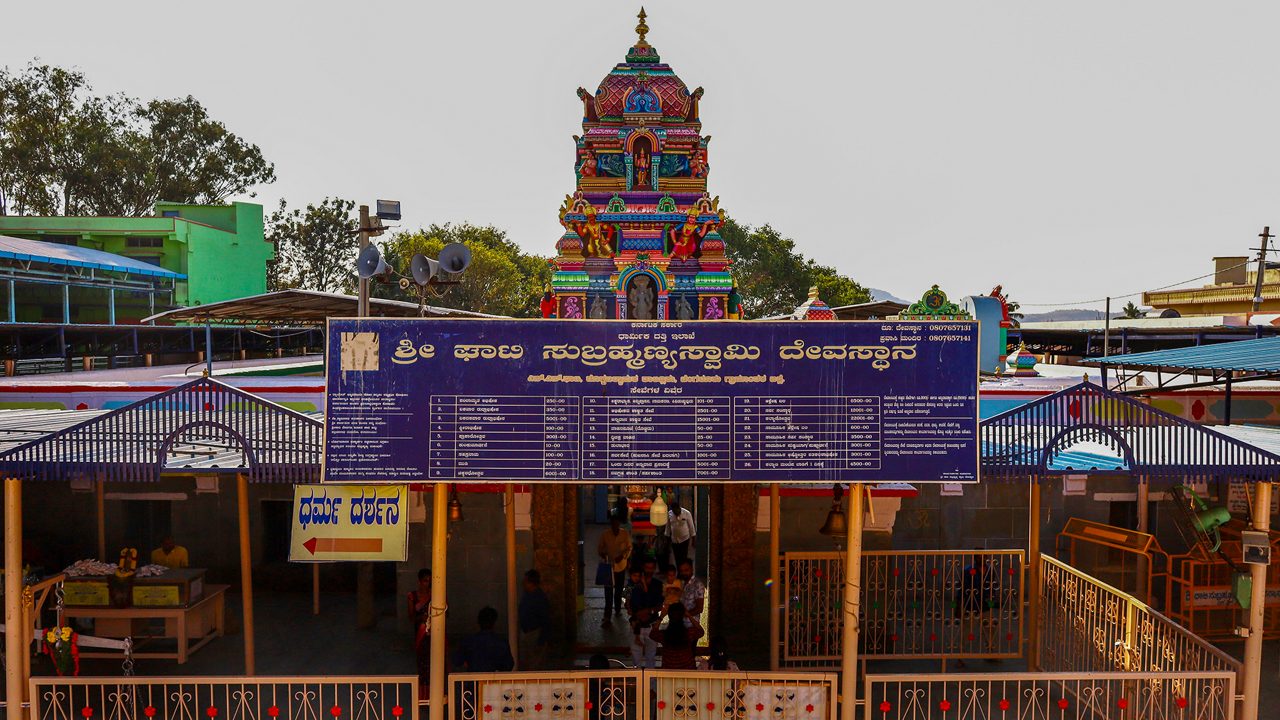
{"x":220,"y":248}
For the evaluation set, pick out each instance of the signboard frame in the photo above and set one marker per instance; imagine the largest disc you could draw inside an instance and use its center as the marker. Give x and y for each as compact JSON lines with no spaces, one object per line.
{"x":339,"y":362}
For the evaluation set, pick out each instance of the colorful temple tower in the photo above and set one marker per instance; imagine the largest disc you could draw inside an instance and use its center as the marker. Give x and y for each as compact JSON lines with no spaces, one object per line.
{"x":641,"y":238}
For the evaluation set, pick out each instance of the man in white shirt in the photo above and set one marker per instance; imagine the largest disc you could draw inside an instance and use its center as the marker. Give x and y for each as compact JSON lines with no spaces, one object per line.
{"x":680,"y":525}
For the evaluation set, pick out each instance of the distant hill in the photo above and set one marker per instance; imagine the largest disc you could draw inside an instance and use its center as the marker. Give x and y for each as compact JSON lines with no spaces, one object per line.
{"x":878,"y":295}
{"x":1063,"y":315}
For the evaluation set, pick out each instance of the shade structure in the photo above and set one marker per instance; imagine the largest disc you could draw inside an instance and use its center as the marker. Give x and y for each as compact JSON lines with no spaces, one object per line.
{"x":1038,"y":439}
{"x":299,"y":307}
{"x":74,"y":256}
{"x":201,"y":427}
{"x":1259,"y":356}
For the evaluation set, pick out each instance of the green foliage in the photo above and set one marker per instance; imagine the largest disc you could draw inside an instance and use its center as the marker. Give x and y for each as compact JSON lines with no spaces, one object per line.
{"x":1132,"y":311}
{"x":315,"y":248}
{"x":502,"y":278}
{"x":66,"y":151}
{"x":773,"y":277}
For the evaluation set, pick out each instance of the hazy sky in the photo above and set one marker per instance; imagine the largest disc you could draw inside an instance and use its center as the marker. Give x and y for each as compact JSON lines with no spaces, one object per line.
{"x":1066,"y":150}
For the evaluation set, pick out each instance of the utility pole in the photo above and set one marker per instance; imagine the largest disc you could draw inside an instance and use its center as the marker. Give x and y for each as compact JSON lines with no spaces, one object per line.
{"x":1106,"y":331}
{"x":362,"y":299}
{"x":1262,"y":268}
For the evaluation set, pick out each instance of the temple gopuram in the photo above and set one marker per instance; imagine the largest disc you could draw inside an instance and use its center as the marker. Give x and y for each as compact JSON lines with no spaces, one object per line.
{"x":641,"y":234}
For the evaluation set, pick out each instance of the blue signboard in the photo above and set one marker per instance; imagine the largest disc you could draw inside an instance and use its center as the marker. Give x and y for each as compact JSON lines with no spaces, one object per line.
{"x":423,"y":400}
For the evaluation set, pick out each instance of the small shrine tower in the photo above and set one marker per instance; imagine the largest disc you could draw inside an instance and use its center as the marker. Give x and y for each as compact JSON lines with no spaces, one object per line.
{"x":641,"y":238}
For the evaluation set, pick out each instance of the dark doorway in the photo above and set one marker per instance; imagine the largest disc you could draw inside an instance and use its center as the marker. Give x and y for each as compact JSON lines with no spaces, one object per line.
{"x":146,"y":523}
{"x":276,"y":526}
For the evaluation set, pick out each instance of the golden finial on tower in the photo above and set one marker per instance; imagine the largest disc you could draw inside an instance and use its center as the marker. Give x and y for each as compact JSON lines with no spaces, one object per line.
{"x":642,"y":29}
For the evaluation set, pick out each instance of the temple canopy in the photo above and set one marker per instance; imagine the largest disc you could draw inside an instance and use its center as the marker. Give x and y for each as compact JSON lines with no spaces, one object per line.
{"x":202,"y":427}
{"x":1057,"y":433}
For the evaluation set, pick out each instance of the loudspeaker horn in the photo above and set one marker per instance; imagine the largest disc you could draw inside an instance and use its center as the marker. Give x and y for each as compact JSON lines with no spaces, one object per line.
{"x":423,"y":268}
{"x":370,"y":264}
{"x":454,"y":258}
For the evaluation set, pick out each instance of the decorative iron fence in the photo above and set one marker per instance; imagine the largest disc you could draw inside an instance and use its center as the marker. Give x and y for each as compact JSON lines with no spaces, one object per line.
{"x":235,"y":698}
{"x":914,"y":604}
{"x":1088,"y":626}
{"x":643,"y":695}
{"x":1060,"y":696}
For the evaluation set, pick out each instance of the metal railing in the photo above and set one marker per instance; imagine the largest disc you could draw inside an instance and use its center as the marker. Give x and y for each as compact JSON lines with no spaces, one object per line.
{"x":1088,"y":626}
{"x":643,"y":695}
{"x":234,"y":698}
{"x":914,"y":604}
{"x":1060,"y":696}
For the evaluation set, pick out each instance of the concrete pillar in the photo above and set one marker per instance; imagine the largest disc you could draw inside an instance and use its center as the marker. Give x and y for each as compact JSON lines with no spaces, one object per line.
{"x":849,"y":605}
{"x":437,"y":692}
{"x":15,"y":684}
{"x":731,"y":584}
{"x":246,"y":570}
{"x":555,"y":555}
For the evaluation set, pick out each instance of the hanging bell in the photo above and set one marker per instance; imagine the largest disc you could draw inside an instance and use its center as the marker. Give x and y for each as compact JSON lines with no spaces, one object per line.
{"x":455,"y":505}
{"x":837,"y":525}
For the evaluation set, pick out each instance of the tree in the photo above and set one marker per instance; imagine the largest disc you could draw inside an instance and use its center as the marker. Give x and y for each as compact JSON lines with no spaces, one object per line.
{"x":502,"y":279}
{"x":66,"y":151}
{"x":315,"y":248}
{"x":1132,"y":311}
{"x":773,"y":277}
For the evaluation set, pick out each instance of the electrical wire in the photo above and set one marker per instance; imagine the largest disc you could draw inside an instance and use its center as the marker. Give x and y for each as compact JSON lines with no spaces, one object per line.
{"x":1138,"y":293}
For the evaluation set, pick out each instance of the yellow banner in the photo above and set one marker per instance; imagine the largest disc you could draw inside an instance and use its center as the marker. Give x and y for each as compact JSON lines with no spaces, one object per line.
{"x":349,"y":522}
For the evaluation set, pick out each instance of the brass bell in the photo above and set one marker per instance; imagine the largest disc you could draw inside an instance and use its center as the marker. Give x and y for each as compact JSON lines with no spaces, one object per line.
{"x":455,"y":505}
{"x":837,"y":525}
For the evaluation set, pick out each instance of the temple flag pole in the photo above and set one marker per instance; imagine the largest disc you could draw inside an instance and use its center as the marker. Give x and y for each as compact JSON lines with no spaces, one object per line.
{"x":439,"y":606}
{"x":775,"y":584}
{"x":852,"y":592}
{"x":1252,"y":679}
{"x":513,"y":612}
{"x":246,"y":570}
{"x":14,"y":634}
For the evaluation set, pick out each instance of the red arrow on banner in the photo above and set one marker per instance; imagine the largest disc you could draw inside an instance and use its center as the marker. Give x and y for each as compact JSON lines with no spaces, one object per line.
{"x":341,"y":545}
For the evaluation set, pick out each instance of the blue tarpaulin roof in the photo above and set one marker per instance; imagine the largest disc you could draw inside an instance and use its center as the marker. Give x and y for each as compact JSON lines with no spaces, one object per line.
{"x":74,"y":256}
{"x":1254,"y":356}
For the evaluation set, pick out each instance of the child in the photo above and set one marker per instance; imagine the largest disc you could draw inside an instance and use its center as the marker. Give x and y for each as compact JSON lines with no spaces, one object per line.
{"x":672,"y":588}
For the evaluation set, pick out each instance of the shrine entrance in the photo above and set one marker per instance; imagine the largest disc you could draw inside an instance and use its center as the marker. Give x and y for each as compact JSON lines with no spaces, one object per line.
{"x":610,"y":633}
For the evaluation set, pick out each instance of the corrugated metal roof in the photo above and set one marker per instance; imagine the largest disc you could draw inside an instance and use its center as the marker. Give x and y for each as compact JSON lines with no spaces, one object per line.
{"x":300,"y":307}
{"x":1261,"y":355}
{"x":1267,"y":438}
{"x":75,"y":256}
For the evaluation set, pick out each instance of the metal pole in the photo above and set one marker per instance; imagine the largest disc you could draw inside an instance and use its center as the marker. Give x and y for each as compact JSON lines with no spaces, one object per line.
{"x":100,"y":491}
{"x":208,"y":349}
{"x":775,"y":582}
{"x":1144,"y":524}
{"x":852,"y":591}
{"x":362,"y":299}
{"x":1252,"y":670}
{"x":13,"y":303}
{"x":246,"y":569}
{"x":439,"y":606}
{"x":1033,"y":578}
{"x":13,"y":649}
{"x":111,"y":306}
{"x":513,"y":582}
{"x":1226,"y":401}
{"x":1106,"y":331}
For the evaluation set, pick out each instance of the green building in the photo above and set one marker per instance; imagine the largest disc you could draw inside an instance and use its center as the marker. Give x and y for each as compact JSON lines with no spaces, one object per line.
{"x":211,"y":253}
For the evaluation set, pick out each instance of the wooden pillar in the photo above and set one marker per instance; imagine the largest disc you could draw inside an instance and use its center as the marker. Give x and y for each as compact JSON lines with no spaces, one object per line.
{"x":439,"y":605}
{"x":775,"y":573}
{"x":15,"y":683}
{"x":852,"y":597}
{"x":101,"y":493}
{"x":1033,"y":578}
{"x":1252,"y":671}
{"x":513,"y":582}
{"x":246,"y":569}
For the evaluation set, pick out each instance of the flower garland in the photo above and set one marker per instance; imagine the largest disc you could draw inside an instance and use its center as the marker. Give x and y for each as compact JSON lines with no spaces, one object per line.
{"x":62,"y":646}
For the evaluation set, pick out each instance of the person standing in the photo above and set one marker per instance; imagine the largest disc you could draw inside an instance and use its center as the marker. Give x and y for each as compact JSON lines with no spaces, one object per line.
{"x":682,"y":530}
{"x":170,"y":554}
{"x":486,"y":651}
{"x":679,"y":639}
{"x":693,"y":594}
{"x":535,"y":621}
{"x":645,"y":605}
{"x":420,"y":615}
{"x":614,"y":548}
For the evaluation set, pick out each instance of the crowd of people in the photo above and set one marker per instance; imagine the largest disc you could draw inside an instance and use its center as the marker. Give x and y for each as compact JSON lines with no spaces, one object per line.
{"x":653,"y":588}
